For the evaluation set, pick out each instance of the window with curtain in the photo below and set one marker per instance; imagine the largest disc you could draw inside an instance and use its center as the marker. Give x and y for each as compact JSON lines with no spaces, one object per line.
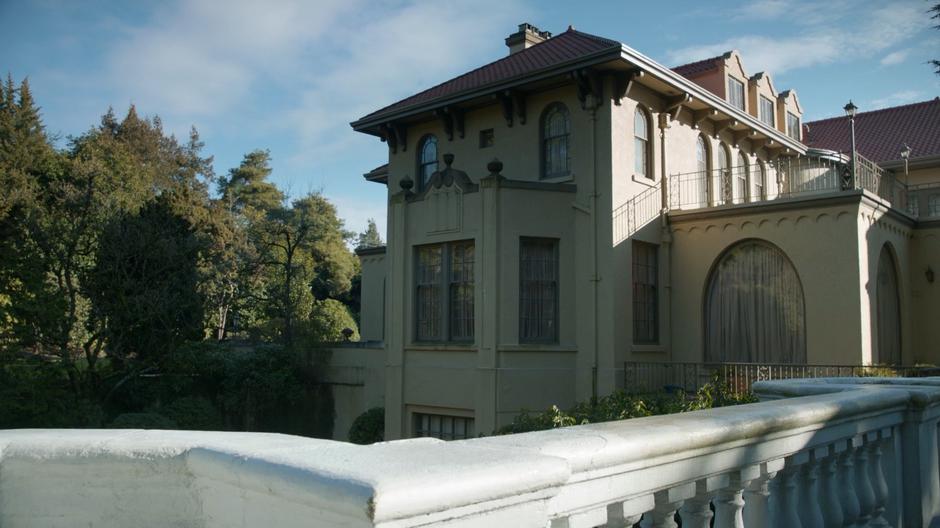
{"x":736,"y":93}
{"x":793,"y":127}
{"x":427,"y":160}
{"x":740,"y":179}
{"x":766,"y":111}
{"x":888,"y":310}
{"x":538,"y":290}
{"x":754,"y":307}
{"x":700,"y":184}
{"x":444,"y":292}
{"x":641,"y":144}
{"x":645,"y":293}
{"x":760,"y":182}
{"x":724,"y":174}
{"x":556,"y":133}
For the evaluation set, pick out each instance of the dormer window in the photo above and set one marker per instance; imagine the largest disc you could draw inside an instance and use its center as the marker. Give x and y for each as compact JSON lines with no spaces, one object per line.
{"x":793,"y":127}
{"x":736,"y":93}
{"x":766,"y":111}
{"x":427,"y":160}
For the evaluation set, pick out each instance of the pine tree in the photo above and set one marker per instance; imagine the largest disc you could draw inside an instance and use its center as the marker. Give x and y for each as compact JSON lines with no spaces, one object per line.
{"x":370,"y":237}
{"x":247,"y":186}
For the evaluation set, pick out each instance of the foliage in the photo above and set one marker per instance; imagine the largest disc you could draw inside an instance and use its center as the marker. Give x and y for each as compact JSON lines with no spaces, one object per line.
{"x":194,"y":413}
{"x":370,"y":237}
{"x":622,"y":405}
{"x":142,"y":421}
{"x":368,"y":427}
{"x":935,"y":15}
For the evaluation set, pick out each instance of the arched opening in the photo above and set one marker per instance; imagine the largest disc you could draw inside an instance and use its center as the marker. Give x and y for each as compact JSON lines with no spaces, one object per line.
{"x":741,"y":177}
{"x":556,"y":130}
{"x":427,"y":160}
{"x":888,"y":310}
{"x":754,"y":307}
{"x":703,"y":166}
{"x":641,"y":143}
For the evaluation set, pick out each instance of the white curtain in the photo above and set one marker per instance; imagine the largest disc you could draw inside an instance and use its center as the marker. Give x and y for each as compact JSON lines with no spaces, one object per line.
{"x":754,"y":308}
{"x":888,"y":311}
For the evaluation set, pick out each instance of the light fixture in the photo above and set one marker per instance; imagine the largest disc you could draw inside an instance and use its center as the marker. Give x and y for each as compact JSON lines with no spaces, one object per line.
{"x":850,"y":109}
{"x":905,"y":151}
{"x":929,"y":274}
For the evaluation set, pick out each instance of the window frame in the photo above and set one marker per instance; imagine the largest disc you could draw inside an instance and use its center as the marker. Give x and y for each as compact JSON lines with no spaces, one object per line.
{"x":421,"y":163}
{"x":768,"y":117}
{"x":445,"y":312}
{"x":417,"y":430}
{"x":547,"y":113}
{"x":736,"y":87}
{"x":642,"y":113}
{"x":743,"y":173}
{"x":795,"y":132}
{"x":556,"y":256}
{"x":652,"y":296}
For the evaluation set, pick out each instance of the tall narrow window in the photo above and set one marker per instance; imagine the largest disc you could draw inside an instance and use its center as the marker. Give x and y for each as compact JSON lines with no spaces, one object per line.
{"x":736,"y":93}
{"x":428,"y":293}
{"x":641,"y":144}
{"x":724,"y":174}
{"x":699,"y":185}
{"x":933,"y":205}
{"x":760,"y":182}
{"x":538,"y":290}
{"x":555,"y":135}
{"x":461,"y":291}
{"x":444,"y":279}
{"x":645,"y":293}
{"x":793,"y":127}
{"x":766,"y":111}
{"x":740,"y":179}
{"x":427,"y":160}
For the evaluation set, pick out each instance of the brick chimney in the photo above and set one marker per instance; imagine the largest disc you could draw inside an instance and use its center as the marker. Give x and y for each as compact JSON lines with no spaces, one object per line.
{"x":527,"y":36}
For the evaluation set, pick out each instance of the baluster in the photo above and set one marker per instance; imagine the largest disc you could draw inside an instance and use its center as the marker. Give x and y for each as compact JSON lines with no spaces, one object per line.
{"x":847,"y":496}
{"x":784,"y":505}
{"x":879,"y":481}
{"x":864,"y":489}
{"x":757,"y":495}
{"x":810,"y":511}
{"x":729,"y":503}
{"x":696,"y":512}
{"x":829,"y":487}
{"x":628,"y":513}
{"x":667,"y":503}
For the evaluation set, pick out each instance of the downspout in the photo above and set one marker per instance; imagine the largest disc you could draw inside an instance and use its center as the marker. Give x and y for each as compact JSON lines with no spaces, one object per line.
{"x":665,"y":272}
{"x":594,"y":102}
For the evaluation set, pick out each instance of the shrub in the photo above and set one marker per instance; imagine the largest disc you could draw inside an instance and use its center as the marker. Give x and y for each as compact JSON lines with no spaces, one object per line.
{"x":368,"y":427}
{"x":194,"y":413}
{"x":142,"y":421}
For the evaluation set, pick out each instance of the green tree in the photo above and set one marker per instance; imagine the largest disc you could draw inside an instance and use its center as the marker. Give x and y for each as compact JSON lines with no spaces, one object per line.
{"x":370,"y":237}
{"x":247,"y":187}
{"x":935,"y":10}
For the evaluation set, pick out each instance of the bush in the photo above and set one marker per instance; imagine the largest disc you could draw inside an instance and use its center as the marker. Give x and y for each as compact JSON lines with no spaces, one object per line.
{"x":368,"y":427}
{"x":194,"y":413}
{"x":622,"y":406}
{"x":142,"y":421}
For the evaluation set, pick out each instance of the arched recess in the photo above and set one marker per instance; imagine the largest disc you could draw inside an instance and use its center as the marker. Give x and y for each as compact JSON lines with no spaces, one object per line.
{"x":888,"y":309}
{"x":754,"y":309}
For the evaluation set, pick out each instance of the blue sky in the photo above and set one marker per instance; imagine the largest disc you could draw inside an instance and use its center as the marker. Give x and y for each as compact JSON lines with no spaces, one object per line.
{"x":289,"y":75}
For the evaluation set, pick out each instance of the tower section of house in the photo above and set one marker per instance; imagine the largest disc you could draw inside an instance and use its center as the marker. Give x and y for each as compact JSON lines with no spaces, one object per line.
{"x":575,"y":206}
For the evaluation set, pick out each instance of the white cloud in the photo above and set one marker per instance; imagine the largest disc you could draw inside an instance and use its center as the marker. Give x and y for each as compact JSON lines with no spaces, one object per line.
{"x":897,"y":98}
{"x":816,"y":44}
{"x":895,"y":57}
{"x":763,"y":9}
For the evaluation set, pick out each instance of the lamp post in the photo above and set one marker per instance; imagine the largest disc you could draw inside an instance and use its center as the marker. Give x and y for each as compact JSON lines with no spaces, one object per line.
{"x":850,"y":110}
{"x":906,"y":155}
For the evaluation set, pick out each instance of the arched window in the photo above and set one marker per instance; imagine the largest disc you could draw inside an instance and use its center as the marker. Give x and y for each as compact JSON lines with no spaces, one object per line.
{"x":760,"y":182}
{"x":888,"y":311}
{"x":740,"y":179}
{"x":556,"y":129}
{"x":427,"y":160}
{"x":725,"y":193}
{"x":754,"y":308}
{"x":702,"y":166}
{"x":641,"y":143}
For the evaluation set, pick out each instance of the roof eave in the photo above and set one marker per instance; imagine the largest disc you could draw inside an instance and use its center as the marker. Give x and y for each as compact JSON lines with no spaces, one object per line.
{"x":680,"y":82}
{"x":366,"y":125}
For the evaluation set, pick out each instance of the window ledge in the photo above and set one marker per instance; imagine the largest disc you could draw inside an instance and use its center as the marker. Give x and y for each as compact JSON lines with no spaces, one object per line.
{"x":567,"y":178}
{"x":442,"y":347}
{"x":648,"y":349}
{"x":536,"y":347}
{"x":644,"y":180}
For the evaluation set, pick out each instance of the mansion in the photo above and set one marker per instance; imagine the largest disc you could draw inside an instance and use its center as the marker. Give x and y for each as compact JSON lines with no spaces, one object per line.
{"x":575,"y":206}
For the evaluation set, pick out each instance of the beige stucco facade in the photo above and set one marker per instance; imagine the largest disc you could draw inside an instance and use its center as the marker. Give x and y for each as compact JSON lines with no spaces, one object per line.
{"x":832,"y":238}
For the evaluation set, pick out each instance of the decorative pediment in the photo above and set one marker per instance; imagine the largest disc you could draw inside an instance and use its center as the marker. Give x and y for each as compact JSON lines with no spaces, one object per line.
{"x":447,"y":178}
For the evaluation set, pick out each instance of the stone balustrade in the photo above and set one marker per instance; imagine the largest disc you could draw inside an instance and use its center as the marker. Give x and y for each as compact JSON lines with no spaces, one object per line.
{"x":825,"y":452}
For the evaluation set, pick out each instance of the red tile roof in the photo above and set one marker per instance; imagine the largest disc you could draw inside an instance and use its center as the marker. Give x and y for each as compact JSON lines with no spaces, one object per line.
{"x":568,"y":46}
{"x":694,"y":69}
{"x":880,"y":134}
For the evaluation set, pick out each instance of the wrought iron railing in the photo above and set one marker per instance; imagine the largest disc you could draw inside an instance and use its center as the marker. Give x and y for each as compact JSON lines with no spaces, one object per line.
{"x":636,"y":213}
{"x":784,"y":178}
{"x":643,"y":376}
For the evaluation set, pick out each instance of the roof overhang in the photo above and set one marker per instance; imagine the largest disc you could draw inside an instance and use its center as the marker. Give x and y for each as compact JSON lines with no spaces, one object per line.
{"x":913,"y":163}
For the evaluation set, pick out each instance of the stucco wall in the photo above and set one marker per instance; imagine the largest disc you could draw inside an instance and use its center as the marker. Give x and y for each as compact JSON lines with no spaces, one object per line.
{"x":925,"y":295}
{"x":821,"y":242}
{"x":372,"y":297}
